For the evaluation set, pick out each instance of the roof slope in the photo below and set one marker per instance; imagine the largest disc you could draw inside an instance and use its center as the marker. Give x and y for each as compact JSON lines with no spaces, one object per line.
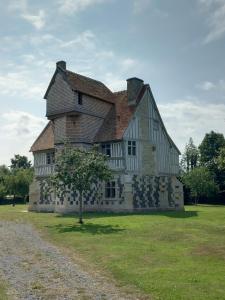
{"x":118,"y":117}
{"x":45,"y":140}
{"x":89,"y":86}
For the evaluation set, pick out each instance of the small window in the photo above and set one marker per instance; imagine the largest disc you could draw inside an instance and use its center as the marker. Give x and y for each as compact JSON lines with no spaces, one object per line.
{"x":50,"y":158}
{"x":80,"y":98}
{"x":106,"y":149}
{"x":155,"y":124}
{"x":131,"y":148}
{"x":110,"y":189}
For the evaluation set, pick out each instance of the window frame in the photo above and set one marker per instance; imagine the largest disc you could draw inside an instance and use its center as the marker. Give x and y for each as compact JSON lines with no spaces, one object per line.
{"x":110,"y":189}
{"x":50,"y":158}
{"x":106,"y":149}
{"x":80,"y":98}
{"x":132,"y":148}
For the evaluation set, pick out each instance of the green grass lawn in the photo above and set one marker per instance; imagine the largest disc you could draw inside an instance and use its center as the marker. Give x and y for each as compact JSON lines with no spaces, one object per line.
{"x":3,"y":295}
{"x":172,"y":255}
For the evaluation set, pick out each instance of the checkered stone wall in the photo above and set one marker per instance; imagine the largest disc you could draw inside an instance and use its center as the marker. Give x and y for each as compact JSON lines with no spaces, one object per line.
{"x":132,"y":193}
{"x":162,"y":192}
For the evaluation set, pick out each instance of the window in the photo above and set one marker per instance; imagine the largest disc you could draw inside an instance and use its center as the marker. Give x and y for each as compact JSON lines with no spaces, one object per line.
{"x":110,"y":189}
{"x":155,"y":124}
{"x":131,"y":148}
{"x":80,"y":98}
{"x":106,"y":149}
{"x":50,"y":158}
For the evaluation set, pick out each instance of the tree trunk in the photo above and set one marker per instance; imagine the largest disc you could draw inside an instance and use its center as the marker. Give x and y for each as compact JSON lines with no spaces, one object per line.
{"x":14,"y":201}
{"x":81,"y":209}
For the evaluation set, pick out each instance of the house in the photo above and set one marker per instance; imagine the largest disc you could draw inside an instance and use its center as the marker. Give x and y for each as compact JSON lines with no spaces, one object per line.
{"x":127,"y":127}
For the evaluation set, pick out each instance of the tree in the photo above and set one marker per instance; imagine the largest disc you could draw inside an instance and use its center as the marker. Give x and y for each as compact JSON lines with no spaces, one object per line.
{"x":4,"y":171}
{"x":209,"y":152}
{"x":210,"y":148}
{"x":18,"y":181}
{"x":200,"y":182}
{"x":190,"y":158}
{"x":221,"y":159}
{"x":78,"y":170}
{"x":20,"y":162}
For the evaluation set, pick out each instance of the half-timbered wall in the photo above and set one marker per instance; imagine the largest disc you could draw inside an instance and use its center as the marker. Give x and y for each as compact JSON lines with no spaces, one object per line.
{"x":41,"y":165}
{"x":167,"y":156}
{"x":155,"y":153}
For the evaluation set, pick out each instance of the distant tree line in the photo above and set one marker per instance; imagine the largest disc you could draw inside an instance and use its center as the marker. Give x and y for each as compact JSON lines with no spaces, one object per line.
{"x":15,"y":179}
{"x":202,"y":170}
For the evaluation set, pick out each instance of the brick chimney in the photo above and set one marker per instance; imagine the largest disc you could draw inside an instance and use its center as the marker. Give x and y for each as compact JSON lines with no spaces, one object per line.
{"x":134,"y":86}
{"x":61,"y":64}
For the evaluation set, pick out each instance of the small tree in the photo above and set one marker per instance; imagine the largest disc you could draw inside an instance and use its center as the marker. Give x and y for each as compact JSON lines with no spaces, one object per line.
{"x":200,"y":182}
{"x":77,"y":170}
{"x":20,"y":162}
{"x":190,"y":158}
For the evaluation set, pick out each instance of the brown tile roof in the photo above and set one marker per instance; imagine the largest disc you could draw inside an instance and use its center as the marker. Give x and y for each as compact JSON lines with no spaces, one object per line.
{"x":89,"y":86}
{"x":118,"y":117}
{"x":45,"y":140}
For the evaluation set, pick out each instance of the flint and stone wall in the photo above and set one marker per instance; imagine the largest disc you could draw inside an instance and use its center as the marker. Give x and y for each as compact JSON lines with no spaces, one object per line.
{"x":133,"y":193}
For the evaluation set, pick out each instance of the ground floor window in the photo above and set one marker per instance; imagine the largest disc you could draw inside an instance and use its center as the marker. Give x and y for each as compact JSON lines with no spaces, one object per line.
{"x":110,"y":189}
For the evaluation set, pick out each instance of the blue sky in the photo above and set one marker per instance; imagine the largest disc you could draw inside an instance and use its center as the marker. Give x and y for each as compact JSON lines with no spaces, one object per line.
{"x":176,"y":46}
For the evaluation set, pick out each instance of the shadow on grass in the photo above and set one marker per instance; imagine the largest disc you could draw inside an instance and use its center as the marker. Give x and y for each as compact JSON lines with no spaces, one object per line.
{"x":170,"y":214}
{"x":87,"y":228}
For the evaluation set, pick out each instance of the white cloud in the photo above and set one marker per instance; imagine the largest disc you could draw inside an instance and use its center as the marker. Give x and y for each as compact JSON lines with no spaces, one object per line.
{"x":215,"y":10}
{"x":21,"y":83}
{"x":73,"y":6}
{"x":18,"y":130}
{"x":184,"y":119}
{"x":37,"y":19}
{"x":140,"y":6}
{"x":115,"y":83}
{"x":206,"y":86}
{"x":85,"y":39}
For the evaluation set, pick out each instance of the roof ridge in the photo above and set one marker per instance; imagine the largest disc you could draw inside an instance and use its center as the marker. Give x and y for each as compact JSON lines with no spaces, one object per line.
{"x":120,"y":92}
{"x":89,"y":78}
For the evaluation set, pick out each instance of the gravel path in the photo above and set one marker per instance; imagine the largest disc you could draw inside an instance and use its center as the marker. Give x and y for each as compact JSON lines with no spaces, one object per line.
{"x":35,"y":269}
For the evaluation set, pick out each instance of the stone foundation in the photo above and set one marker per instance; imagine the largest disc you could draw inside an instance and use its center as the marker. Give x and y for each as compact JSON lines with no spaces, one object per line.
{"x":133,"y":193}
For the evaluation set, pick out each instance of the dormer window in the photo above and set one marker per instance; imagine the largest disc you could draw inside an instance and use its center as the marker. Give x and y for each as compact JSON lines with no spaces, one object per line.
{"x":80,"y":98}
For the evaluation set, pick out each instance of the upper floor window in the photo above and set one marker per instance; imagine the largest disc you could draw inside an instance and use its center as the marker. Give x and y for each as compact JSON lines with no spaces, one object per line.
{"x":155,"y":124}
{"x":106,"y":149}
{"x":50,"y":158}
{"x":110,"y":189}
{"x":131,"y":148}
{"x":80,"y":98}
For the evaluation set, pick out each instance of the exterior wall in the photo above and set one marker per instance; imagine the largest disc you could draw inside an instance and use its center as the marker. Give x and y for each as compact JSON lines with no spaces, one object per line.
{"x":60,"y":98}
{"x":41,"y":168}
{"x":167,"y":156}
{"x":155,"y":153}
{"x":92,"y":106}
{"x":133,"y":193}
{"x":84,"y":120}
{"x":82,"y":128}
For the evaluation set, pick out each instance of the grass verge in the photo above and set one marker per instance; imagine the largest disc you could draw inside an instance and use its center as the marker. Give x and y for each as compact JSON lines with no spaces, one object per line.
{"x":171,"y":255}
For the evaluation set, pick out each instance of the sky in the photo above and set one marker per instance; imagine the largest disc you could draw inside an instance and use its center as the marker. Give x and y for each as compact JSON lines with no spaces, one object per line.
{"x":176,"y":46}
